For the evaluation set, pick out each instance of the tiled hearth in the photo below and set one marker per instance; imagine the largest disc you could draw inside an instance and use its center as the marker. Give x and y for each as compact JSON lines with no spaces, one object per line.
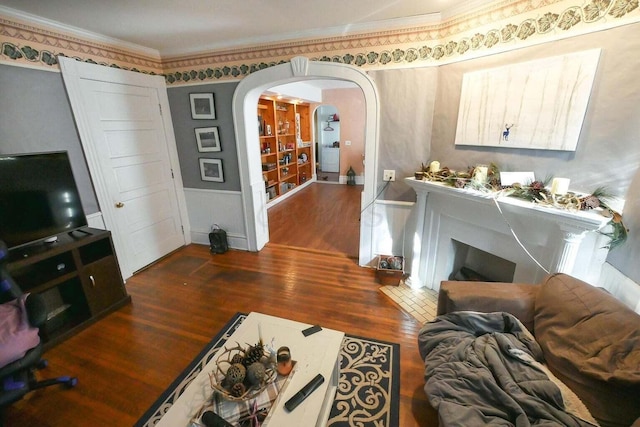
{"x":420,"y":303}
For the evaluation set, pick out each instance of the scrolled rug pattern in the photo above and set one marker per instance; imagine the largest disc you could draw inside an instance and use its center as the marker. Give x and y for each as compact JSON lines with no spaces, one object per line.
{"x":368,"y":390}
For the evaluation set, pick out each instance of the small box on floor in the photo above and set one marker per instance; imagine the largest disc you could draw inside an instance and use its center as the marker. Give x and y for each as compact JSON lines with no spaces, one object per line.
{"x":390,"y":269}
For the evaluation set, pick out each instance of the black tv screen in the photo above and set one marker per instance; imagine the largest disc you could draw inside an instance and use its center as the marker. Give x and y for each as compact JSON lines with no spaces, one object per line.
{"x":38,"y":198}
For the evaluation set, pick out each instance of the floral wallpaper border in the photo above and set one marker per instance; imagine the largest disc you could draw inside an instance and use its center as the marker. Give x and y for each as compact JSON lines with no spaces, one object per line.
{"x":481,"y":32}
{"x":28,"y":44}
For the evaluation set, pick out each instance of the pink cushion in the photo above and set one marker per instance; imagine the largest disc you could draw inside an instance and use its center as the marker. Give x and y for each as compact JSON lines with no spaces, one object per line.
{"x":17,"y":336}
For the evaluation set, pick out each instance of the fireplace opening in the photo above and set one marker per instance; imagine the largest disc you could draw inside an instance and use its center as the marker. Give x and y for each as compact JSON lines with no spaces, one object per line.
{"x":473,"y":264}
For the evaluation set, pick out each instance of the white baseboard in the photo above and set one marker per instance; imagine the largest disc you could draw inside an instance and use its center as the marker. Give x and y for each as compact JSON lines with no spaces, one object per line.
{"x":620,"y":286}
{"x":234,"y":241}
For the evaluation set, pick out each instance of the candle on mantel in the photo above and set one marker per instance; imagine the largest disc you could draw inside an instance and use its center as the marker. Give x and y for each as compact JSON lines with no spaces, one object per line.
{"x":560,"y":186}
{"x":480,"y":174}
{"x":434,"y":166}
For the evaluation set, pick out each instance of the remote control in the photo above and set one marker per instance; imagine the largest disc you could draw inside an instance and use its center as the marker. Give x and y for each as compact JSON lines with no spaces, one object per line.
{"x":211,"y":419}
{"x":311,"y":330}
{"x":300,"y":396}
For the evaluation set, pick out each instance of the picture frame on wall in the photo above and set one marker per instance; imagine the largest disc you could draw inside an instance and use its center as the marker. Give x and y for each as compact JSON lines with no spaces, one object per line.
{"x":211,"y":170}
{"x":539,"y":104}
{"x":208,"y":139}
{"x":202,"y":106}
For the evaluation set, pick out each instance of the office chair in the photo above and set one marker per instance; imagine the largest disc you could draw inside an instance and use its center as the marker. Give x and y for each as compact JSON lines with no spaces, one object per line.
{"x":17,"y":378}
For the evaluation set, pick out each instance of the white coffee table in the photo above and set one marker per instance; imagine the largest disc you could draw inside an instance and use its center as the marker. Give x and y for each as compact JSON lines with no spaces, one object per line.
{"x":315,"y":354}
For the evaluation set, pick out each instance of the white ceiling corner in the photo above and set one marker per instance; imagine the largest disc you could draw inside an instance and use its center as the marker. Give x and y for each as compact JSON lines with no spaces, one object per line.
{"x":168,"y":28}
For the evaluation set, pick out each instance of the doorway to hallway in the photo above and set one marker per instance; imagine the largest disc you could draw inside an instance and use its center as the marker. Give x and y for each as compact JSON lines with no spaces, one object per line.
{"x":327,"y":137}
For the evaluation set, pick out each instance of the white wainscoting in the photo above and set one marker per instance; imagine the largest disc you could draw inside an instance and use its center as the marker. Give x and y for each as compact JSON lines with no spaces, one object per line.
{"x":620,"y":286}
{"x":342,"y":179}
{"x":209,"y":207}
{"x":388,"y":227}
{"x":95,"y":220}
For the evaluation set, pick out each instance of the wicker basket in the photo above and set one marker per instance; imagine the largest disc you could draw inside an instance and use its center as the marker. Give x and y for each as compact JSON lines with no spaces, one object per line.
{"x":223,"y":363}
{"x":387,"y":275}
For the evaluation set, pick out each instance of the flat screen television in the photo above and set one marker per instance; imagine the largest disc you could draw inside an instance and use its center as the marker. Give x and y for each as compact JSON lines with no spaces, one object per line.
{"x":39,"y":198}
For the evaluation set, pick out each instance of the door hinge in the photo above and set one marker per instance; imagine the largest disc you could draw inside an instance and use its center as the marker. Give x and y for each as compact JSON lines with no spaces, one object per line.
{"x":182,"y":227}
{"x":160,"y":108}
{"x":172,"y":177}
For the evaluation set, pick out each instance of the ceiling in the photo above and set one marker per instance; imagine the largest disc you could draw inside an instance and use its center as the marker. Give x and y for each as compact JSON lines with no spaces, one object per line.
{"x":173,"y":28}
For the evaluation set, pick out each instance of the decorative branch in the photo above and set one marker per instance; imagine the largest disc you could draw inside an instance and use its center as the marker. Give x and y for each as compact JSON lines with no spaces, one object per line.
{"x":535,"y":192}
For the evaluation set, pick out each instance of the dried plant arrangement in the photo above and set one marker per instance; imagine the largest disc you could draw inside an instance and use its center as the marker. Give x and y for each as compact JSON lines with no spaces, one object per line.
{"x":241,"y":373}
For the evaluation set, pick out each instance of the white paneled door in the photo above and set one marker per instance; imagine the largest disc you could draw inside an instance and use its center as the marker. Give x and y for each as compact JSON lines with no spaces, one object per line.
{"x":124,"y":132}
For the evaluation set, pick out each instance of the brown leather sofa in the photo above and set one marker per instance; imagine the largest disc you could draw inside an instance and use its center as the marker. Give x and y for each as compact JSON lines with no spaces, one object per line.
{"x":590,"y":340}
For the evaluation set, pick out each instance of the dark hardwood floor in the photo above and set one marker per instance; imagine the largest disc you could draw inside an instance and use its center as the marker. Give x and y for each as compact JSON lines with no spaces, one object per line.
{"x":324,"y":217}
{"x":126,"y":360}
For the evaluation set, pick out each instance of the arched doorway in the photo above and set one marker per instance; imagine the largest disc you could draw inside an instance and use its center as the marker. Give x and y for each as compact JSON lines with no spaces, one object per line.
{"x":245,"y":100}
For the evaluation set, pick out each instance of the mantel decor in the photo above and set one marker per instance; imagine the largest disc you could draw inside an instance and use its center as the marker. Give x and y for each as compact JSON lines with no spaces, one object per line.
{"x":487,"y":179}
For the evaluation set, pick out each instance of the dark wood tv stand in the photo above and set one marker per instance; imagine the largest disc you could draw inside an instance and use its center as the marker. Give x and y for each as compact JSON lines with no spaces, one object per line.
{"x":78,"y":277}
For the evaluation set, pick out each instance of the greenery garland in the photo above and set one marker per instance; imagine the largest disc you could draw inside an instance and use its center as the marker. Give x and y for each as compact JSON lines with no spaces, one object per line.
{"x":536,"y":192}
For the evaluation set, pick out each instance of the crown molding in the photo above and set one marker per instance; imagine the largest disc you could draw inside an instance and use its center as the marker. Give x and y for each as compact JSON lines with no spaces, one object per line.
{"x":355,"y":29}
{"x":419,"y":41}
{"x":43,"y":23}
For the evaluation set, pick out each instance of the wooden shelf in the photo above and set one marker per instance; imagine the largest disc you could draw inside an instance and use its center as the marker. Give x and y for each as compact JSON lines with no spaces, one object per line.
{"x":289,"y":123}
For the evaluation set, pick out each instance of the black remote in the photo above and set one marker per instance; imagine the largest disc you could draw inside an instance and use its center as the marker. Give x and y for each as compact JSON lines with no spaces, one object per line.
{"x":311,"y":330}
{"x":300,"y":396}
{"x":211,"y":419}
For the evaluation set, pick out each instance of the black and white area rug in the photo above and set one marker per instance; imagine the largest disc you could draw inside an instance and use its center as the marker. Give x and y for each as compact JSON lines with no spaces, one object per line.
{"x":368,"y":391}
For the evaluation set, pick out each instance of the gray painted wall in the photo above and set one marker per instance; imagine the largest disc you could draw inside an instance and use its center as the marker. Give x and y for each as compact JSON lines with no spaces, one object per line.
{"x":35,"y":116}
{"x":407,"y":102}
{"x":184,"y":127}
{"x":608,"y":152}
{"x":419,"y":109}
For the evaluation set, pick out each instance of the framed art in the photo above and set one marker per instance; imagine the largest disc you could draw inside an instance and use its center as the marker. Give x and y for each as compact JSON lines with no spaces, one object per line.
{"x":208,"y":139}
{"x":539,"y":104}
{"x":202,"y":106}
{"x":211,"y":170}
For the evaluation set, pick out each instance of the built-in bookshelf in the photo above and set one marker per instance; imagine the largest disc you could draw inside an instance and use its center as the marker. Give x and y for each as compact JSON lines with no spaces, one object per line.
{"x":285,"y":145}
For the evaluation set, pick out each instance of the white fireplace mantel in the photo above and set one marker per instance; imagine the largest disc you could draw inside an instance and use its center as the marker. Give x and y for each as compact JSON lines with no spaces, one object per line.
{"x":559,"y":240}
